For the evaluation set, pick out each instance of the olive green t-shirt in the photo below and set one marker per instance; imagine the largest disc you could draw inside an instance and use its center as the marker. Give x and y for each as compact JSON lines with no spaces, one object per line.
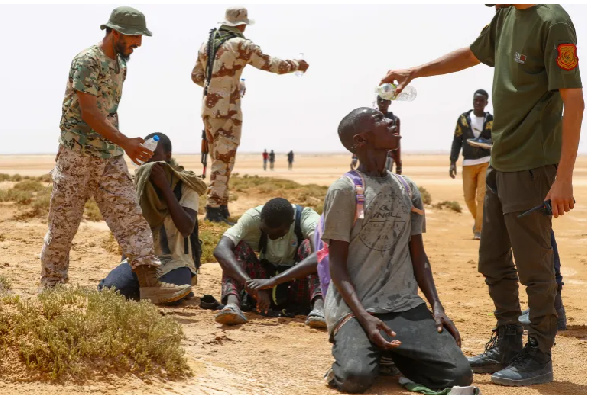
{"x":534,"y":54}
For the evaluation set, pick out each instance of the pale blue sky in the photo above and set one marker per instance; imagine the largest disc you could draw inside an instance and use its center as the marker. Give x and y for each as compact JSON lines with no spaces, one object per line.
{"x":349,"y":47}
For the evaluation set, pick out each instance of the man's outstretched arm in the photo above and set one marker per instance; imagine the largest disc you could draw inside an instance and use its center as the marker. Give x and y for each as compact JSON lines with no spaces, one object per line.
{"x":263,"y":61}
{"x":453,"y":62}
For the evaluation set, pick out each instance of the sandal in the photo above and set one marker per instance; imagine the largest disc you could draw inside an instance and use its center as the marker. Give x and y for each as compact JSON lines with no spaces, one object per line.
{"x":230,"y":315}
{"x":208,"y":302}
{"x":316,"y":319}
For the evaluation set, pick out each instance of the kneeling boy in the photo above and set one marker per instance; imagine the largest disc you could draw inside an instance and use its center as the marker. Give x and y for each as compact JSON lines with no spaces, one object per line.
{"x":377,"y":262}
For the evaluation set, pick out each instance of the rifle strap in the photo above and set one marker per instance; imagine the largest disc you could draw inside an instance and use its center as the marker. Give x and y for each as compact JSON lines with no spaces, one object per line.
{"x":216,"y":38}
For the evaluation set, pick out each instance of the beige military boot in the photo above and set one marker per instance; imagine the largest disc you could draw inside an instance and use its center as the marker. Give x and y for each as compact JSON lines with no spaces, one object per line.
{"x":156,"y":291}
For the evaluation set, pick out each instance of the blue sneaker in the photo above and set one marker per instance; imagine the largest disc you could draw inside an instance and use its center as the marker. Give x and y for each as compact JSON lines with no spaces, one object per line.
{"x":480,"y":142}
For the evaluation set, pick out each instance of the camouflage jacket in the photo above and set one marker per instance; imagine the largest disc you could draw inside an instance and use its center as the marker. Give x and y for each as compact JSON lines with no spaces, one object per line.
{"x":223,"y":97}
{"x":92,"y":72}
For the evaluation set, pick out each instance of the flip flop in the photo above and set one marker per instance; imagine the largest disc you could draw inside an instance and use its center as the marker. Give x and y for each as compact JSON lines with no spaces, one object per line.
{"x":316,"y":319}
{"x":230,"y":315}
{"x":208,"y":302}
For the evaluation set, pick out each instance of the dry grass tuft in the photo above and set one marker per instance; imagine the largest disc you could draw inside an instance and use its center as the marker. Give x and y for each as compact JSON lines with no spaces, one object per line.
{"x":454,"y":206}
{"x":425,"y":195}
{"x":72,"y":333}
{"x":92,"y":212}
{"x":110,"y":244}
{"x":5,"y":284}
{"x":309,"y":195}
{"x":210,"y":233}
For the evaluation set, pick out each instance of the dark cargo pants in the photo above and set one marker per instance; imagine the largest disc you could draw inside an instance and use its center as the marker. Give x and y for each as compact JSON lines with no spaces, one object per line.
{"x":529,"y":240}
{"x":425,"y":356}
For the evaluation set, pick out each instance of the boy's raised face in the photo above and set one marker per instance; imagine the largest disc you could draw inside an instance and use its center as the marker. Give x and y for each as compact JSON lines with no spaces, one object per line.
{"x":380,"y":132}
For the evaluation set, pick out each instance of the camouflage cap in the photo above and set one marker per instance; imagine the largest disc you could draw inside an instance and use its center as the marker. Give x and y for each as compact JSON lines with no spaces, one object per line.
{"x":236,"y":16}
{"x":128,"y":21}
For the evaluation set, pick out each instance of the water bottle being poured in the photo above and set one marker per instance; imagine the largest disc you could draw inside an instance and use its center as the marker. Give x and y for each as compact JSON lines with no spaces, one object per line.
{"x":388,"y":91}
{"x":151,"y":143}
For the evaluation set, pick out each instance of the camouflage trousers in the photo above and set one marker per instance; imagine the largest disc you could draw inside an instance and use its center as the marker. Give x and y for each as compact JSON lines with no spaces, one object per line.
{"x":76,"y":178}
{"x":223,"y":135}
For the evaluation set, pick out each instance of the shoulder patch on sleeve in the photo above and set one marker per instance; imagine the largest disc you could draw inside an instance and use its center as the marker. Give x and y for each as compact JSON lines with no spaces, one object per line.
{"x":567,"y":56}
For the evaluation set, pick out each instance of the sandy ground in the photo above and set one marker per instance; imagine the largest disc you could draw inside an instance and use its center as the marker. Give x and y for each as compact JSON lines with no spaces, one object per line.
{"x":282,"y":356}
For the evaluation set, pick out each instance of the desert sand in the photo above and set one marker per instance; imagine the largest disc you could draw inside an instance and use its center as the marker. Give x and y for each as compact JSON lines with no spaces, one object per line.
{"x":283,"y":356}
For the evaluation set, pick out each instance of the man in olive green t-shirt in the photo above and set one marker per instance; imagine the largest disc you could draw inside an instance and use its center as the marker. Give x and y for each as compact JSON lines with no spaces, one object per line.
{"x":533,"y":49}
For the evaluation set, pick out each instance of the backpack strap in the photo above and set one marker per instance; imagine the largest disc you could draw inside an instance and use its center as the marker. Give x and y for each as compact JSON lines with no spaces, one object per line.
{"x":298,"y":224}
{"x":262,"y":243}
{"x":359,"y":187}
{"x":298,"y":230}
{"x":406,"y":185}
{"x":216,"y":38}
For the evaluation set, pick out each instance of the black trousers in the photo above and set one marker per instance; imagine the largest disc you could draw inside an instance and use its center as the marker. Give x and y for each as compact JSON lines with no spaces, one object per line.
{"x":529,"y":239}
{"x":425,"y":356}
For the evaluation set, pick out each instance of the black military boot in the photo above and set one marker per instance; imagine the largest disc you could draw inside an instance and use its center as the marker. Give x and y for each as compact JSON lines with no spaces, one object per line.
{"x":531,"y":366}
{"x":225,"y":211}
{"x":505,"y":344}
{"x":213,"y":214}
{"x":560,"y":310}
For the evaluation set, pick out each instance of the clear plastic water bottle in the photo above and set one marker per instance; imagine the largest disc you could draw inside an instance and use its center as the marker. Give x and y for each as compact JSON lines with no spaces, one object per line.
{"x":299,"y":73}
{"x":151,"y":143}
{"x":387,"y":91}
{"x":408,"y":94}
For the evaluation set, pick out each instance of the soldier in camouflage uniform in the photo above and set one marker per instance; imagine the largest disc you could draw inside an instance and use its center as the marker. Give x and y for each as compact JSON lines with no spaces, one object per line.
{"x":221,"y":107}
{"x":90,"y":161}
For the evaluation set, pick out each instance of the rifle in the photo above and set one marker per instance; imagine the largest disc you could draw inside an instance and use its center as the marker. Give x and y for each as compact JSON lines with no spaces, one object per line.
{"x":545,"y":208}
{"x":204,"y":155}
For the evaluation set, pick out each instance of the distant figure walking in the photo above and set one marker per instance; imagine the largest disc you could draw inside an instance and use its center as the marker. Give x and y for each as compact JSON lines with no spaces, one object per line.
{"x":290,"y":159}
{"x":265,"y":155}
{"x":271,"y":160}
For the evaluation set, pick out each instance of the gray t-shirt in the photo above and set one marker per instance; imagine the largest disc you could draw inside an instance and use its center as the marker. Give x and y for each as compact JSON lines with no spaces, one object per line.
{"x":379,"y":262}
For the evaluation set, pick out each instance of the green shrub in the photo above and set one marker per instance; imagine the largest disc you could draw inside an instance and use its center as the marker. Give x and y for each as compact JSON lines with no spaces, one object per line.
{"x":4,"y":284}
{"x":74,"y":332}
{"x":13,"y":195}
{"x":210,"y":233}
{"x":29,"y":186}
{"x":454,"y":206}
{"x":425,"y":195}
{"x":92,"y":211}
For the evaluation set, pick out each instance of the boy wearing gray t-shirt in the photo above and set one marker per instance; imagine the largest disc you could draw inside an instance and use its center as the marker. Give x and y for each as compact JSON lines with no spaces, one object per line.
{"x":377,"y":263}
